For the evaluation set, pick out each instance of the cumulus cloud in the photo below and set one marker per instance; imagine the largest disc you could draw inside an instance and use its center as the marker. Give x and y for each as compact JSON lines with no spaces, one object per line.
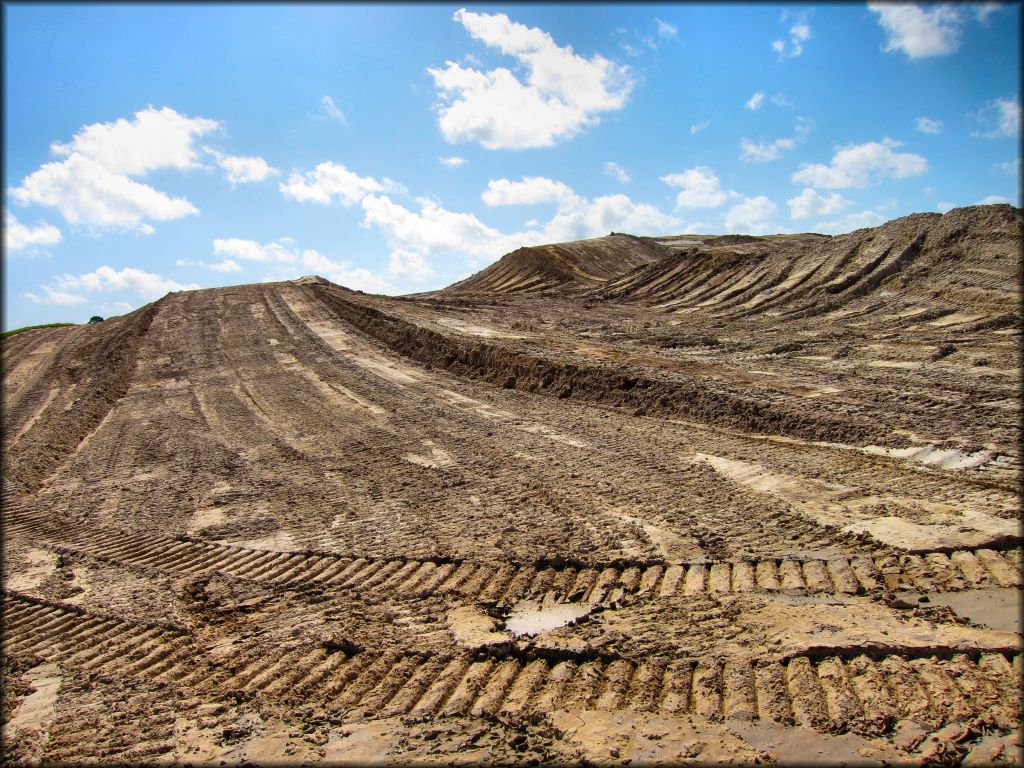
{"x":434,"y":229}
{"x":18,"y":236}
{"x":698,"y":127}
{"x":91,"y":186}
{"x":529,"y":191}
{"x":699,"y":188}
{"x":994,"y":200}
{"x":332,"y":183}
{"x":998,"y":119}
{"x":857,"y":165}
{"x":810,"y":203}
{"x":752,"y":217}
{"x":452,"y":162}
{"x":332,"y":110}
{"x":67,"y":288}
{"x":920,"y":32}
{"x":799,"y":33}
{"x":849,"y":223}
{"x":288,"y":261}
{"x":617,"y":172}
{"x":54,"y":296}
{"x":766,"y":151}
{"x":243,"y":170}
{"x":409,"y":264}
{"x":755,"y":101}
{"x":945,"y":206}
{"x":563,"y":93}
{"x":928,"y":125}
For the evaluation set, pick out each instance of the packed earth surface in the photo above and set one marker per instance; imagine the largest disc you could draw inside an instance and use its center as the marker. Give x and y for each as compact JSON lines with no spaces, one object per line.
{"x":627,"y":500}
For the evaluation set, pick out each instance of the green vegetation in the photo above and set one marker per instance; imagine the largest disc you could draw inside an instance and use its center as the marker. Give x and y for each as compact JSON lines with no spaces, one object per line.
{"x":5,"y":334}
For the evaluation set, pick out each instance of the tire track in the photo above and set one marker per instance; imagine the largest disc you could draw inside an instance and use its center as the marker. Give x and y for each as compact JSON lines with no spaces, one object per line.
{"x":832,"y":691}
{"x":504,"y":582}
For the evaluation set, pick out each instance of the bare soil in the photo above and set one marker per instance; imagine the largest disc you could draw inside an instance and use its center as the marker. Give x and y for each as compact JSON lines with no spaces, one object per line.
{"x":622,"y":501}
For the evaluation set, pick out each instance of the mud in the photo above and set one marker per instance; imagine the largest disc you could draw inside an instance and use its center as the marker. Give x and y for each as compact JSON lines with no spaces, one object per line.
{"x":685,"y":499}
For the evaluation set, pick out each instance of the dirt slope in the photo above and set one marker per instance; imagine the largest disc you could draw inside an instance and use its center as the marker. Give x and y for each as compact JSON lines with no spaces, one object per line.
{"x":968,"y":259}
{"x":578,"y":264}
{"x":292,"y":522}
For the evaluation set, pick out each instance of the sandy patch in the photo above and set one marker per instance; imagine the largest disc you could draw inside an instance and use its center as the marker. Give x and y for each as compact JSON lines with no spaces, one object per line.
{"x":38,"y":565}
{"x":435,"y":458}
{"x":36,"y":712}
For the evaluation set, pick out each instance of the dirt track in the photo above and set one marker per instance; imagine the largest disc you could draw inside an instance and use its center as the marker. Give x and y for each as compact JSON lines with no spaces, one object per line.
{"x":289,"y":521}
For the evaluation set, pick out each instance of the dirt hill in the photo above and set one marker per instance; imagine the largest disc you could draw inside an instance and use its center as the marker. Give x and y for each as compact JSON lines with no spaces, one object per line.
{"x":712,"y":499}
{"x":578,"y":264}
{"x":918,"y":267}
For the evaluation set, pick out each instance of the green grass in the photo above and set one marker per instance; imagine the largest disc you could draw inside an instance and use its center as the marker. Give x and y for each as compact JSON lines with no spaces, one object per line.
{"x":5,"y":334}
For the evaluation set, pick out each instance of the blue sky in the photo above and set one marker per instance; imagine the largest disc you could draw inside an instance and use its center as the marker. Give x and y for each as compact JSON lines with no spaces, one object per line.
{"x":400,"y":148}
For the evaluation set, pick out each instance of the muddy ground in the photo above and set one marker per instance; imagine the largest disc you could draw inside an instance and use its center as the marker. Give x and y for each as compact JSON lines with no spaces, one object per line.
{"x":755,"y":510}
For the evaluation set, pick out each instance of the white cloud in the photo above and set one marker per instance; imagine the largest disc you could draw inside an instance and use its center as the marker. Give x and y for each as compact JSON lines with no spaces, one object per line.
{"x":917,"y":32}
{"x":849,"y":223}
{"x":998,"y":119}
{"x":698,"y":127}
{"x":529,"y":191}
{"x":280,"y":251}
{"x":332,"y":110}
{"x":227,"y":265}
{"x":780,"y":100}
{"x":857,"y":165}
{"x":799,"y":33}
{"x":331,"y":182}
{"x":755,"y":101}
{"x":665,"y":29}
{"x":52,"y":296}
{"x":106,"y":279}
{"x":242,"y":170}
{"x":982,"y":11}
{"x":601,"y":215}
{"x":617,"y":172}
{"x":810,"y":203}
{"x":994,"y":200}
{"x":1010,"y":167}
{"x":85,"y":192}
{"x":699,"y":188}
{"x":928,"y":125}
{"x":91,"y":185}
{"x":18,"y":236}
{"x":452,"y":162}
{"x":764,"y":151}
{"x":154,"y":140}
{"x":289,"y":261}
{"x":146,"y":284}
{"x":433,"y":229}
{"x":409,"y":264}
{"x":945,"y":206}
{"x":752,"y":217}
{"x":563,"y":94}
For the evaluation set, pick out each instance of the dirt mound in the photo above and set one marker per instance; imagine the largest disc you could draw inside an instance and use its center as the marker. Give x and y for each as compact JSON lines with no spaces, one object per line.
{"x":578,"y":264}
{"x":759,"y":502}
{"x":967,"y":260}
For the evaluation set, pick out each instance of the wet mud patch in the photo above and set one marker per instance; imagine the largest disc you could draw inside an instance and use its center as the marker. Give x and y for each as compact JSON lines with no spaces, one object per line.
{"x":532,"y":617}
{"x":997,"y":609}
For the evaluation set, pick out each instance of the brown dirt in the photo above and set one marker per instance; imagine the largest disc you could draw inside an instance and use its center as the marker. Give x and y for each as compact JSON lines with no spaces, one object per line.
{"x":738,"y":487}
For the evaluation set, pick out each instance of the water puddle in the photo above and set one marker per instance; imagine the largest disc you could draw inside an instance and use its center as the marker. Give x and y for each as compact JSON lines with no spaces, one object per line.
{"x":531,"y":617}
{"x":997,"y":608}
